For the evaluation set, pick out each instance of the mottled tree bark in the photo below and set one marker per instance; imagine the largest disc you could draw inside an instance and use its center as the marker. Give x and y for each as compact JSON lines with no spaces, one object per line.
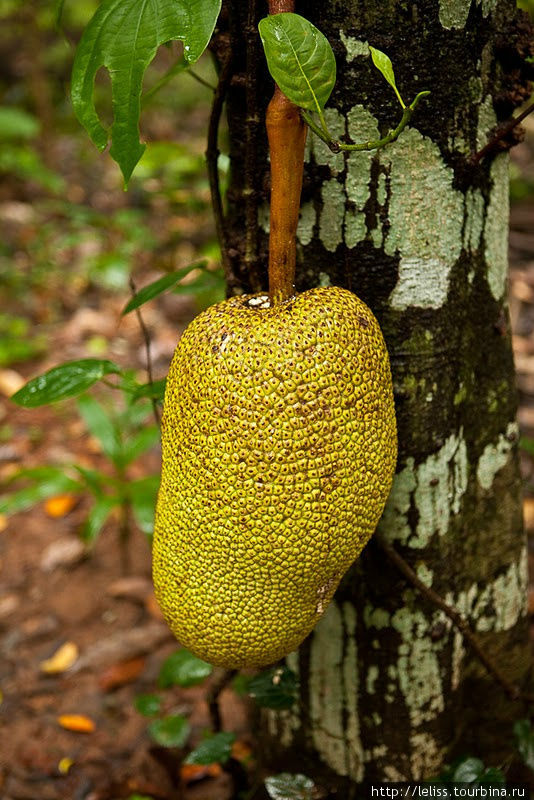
{"x":389,"y":690}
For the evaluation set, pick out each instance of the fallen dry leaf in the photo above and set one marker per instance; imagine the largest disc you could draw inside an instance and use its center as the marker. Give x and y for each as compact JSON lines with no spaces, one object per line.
{"x":3,"y":523}
{"x":123,"y":646}
{"x":60,"y":505}
{"x":62,"y":659}
{"x":64,"y":765}
{"x":10,"y":382}
{"x":241,"y":751}
{"x":120,"y":674}
{"x":134,"y":587}
{"x":190,"y":773}
{"x":76,"y":722}
{"x":151,"y":605}
{"x":62,"y":553}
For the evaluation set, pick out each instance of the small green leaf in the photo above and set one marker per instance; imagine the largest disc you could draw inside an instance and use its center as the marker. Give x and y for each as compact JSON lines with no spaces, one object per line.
{"x":527,"y":445}
{"x":299,"y":58}
{"x":383,"y":64}
{"x":101,"y":426}
{"x":97,"y":516}
{"x":154,"y":390}
{"x":215,"y":749}
{"x":158,"y":287}
{"x":468,"y":770}
{"x":172,"y":731}
{"x":183,"y":669}
{"x":524,"y":736}
{"x":286,"y":786}
{"x":123,"y":36}
{"x":139,"y":443}
{"x":17,"y":124}
{"x":147,"y":704}
{"x":49,"y":481}
{"x":276,"y":688}
{"x":143,"y":495}
{"x":493,"y":775}
{"x":66,"y":380}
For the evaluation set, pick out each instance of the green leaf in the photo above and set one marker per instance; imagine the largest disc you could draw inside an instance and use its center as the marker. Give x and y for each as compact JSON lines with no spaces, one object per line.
{"x":468,"y":770}
{"x":154,"y":390}
{"x":123,"y":36}
{"x":17,"y":124}
{"x":158,"y":287}
{"x":299,"y":58}
{"x":139,"y":443}
{"x":143,"y":495}
{"x":527,"y":445}
{"x":183,"y":669}
{"x":147,"y":704}
{"x":524,"y":736}
{"x":493,"y":775}
{"x":276,"y":688}
{"x":172,"y":731}
{"x":101,"y":426}
{"x":97,"y":516}
{"x":286,"y":786}
{"x":49,"y":481}
{"x":67,"y":380}
{"x":383,"y":64}
{"x":215,"y":749}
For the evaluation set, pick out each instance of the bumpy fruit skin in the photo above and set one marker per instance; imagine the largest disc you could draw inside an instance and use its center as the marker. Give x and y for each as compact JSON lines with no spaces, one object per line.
{"x":279,"y":447}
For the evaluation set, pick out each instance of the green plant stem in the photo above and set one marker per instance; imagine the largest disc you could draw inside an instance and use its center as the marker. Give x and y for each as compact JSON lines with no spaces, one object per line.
{"x":146,"y":339}
{"x":336,"y":147}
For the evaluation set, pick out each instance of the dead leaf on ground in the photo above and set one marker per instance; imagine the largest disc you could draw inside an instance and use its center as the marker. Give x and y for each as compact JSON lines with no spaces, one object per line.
{"x":120,"y":674}
{"x":151,"y":605}
{"x":60,"y":505}
{"x":134,"y":587}
{"x":10,"y":382}
{"x":62,"y":553}
{"x":241,"y":751}
{"x":76,"y":722}
{"x":62,"y":660}
{"x":190,"y":773}
{"x":123,"y":645}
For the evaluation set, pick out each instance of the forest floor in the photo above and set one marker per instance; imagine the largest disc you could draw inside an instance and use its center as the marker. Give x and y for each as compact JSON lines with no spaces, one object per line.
{"x":52,"y":591}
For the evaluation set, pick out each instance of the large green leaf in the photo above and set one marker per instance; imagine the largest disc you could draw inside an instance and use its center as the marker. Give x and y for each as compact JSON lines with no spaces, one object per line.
{"x":123,"y":36}
{"x":275,"y":688}
{"x":143,"y":495}
{"x":299,"y":58}
{"x":97,"y":516}
{"x":67,"y":380}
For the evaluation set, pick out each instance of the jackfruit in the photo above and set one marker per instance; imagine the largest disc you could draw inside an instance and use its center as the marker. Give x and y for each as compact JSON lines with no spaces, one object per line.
{"x":279,"y":447}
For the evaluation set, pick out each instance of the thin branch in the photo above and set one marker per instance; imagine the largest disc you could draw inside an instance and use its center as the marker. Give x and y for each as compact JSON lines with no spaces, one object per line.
{"x":214,"y":694}
{"x":500,"y":133}
{"x":212,"y":159}
{"x":146,"y":338}
{"x":513,"y":691}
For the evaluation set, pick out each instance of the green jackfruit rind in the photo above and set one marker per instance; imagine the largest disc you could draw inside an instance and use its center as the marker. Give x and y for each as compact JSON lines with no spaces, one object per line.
{"x":279,"y":448}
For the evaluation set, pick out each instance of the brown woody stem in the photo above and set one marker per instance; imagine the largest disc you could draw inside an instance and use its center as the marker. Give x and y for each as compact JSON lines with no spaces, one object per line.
{"x":286,"y":132}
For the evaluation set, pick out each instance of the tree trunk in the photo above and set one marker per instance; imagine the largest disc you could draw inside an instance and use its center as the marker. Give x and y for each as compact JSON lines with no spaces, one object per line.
{"x":389,"y":689}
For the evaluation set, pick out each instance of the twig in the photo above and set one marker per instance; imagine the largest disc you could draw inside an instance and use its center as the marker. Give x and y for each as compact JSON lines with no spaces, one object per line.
{"x":214,"y":694}
{"x":146,"y":338}
{"x":500,"y":133}
{"x":513,"y":692}
{"x":212,"y":158}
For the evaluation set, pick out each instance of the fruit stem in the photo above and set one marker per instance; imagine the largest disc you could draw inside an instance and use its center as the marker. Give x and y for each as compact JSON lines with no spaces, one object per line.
{"x":286,"y":132}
